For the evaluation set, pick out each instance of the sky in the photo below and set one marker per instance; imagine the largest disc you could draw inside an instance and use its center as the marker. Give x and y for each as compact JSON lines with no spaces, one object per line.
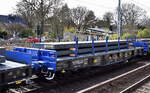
{"x":98,"y":6}
{"x":7,"y":6}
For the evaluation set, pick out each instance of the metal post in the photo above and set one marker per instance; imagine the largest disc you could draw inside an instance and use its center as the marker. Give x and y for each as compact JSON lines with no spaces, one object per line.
{"x":127,"y":42}
{"x":135,"y":38}
{"x":106,"y":44}
{"x":76,"y":46}
{"x":87,"y":39}
{"x":59,"y":39}
{"x":119,"y":18}
{"x":118,"y":43}
{"x":93,"y":46}
{"x":97,"y":37}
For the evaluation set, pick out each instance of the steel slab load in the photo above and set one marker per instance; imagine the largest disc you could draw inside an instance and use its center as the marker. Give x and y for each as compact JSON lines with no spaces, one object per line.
{"x":87,"y":50}
{"x":62,"y":59}
{"x":67,"y":48}
{"x":146,"y":40}
{"x":12,"y":71}
{"x":83,"y":44}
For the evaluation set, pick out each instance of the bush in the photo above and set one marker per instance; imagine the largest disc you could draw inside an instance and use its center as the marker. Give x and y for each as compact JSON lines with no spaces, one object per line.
{"x":71,"y":29}
{"x":3,"y":34}
{"x":143,"y":33}
{"x":26,"y":33}
{"x":128,"y":35}
{"x":113,"y":37}
{"x":124,"y":36}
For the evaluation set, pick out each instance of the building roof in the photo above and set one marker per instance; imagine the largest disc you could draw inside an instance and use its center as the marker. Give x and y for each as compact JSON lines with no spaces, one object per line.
{"x":100,"y":30}
{"x":11,"y":19}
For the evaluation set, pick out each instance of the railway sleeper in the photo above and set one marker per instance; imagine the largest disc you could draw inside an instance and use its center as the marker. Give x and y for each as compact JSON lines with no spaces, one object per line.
{"x":24,"y":89}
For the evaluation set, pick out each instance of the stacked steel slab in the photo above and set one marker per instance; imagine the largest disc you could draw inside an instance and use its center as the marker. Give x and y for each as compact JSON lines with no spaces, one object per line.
{"x":145,"y":40}
{"x":65,"y":49}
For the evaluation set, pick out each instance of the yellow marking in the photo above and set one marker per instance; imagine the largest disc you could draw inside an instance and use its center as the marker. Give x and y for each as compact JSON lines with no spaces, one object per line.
{"x":18,"y":82}
{"x":110,"y":57}
{"x":85,"y":63}
{"x":72,"y":55}
{"x":94,"y":61}
{"x":63,"y":71}
{"x":72,"y":49}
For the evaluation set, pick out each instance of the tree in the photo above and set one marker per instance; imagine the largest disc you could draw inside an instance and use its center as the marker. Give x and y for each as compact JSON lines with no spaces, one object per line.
{"x":39,"y":10}
{"x":108,"y":17}
{"x":131,"y":14}
{"x":26,"y":32}
{"x":89,"y":20}
{"x":13,"y":29}
{"x":64,"y":15}
{"x":78,"y":16}
{"x":144,"y":23}
{"x":27,"y":12}
{"x":3,"y":33}
{"x":56,"y":27}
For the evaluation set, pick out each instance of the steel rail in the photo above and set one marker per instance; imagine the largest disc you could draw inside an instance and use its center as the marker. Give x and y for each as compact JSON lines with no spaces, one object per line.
{"x":136,"y":85}
{"x":98,"y":86}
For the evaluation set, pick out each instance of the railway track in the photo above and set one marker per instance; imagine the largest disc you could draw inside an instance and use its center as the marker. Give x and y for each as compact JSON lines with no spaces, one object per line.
{"x":121,"y":83}
{"x":142,"y":86}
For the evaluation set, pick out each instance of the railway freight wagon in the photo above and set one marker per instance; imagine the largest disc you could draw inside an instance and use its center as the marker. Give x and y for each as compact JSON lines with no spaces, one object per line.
{"x":48,"y":58}
{"x":11,"y":72}
{"x":76,"y":55}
